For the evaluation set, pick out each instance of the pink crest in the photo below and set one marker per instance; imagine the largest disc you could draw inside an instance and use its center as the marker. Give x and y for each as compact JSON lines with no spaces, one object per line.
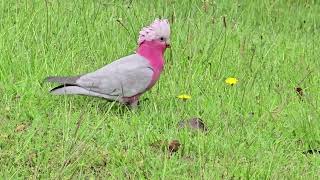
{"x":156,"y":30}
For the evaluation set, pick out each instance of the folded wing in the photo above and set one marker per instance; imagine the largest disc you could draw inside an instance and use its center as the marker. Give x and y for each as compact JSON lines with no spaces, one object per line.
{"x":126,"y":77}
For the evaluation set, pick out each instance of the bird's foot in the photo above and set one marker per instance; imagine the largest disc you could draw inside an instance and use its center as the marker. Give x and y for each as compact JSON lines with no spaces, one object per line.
{"x":131,"y":102}
{"x":133,"y":105}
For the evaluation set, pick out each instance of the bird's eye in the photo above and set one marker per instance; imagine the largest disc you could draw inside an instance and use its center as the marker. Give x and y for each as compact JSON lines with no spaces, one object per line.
{"x":161,"y":38}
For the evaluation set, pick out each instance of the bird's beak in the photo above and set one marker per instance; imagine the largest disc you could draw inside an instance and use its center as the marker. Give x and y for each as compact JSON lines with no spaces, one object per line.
{"x":168,"y":44}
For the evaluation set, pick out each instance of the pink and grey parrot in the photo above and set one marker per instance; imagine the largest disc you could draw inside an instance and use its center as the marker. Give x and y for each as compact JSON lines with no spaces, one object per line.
{"x":127,"y":78}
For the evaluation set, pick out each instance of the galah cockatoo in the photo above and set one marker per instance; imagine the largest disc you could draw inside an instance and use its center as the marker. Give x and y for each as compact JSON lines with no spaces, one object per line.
{"x":127,"y":78}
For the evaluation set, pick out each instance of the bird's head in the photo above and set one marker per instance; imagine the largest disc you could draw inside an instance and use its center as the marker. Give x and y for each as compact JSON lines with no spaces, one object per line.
{"x":156,"y":34}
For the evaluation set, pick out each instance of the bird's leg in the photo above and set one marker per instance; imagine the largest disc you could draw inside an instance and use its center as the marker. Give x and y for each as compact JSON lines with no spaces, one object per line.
{"x":132,"y":102}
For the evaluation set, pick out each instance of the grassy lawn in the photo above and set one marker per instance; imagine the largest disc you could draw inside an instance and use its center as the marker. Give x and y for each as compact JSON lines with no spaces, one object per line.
{"x":259,"y":128}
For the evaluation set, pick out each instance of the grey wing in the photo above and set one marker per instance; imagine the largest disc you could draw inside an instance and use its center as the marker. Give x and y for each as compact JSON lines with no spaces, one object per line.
{"x":125,"y":77}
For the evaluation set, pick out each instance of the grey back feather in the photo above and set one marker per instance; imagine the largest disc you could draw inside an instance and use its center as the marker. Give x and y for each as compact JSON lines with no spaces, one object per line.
{"x":126,"y":77}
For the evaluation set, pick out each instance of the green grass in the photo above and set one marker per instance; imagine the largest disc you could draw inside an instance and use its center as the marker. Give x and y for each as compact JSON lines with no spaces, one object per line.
{"x":258,"y":128}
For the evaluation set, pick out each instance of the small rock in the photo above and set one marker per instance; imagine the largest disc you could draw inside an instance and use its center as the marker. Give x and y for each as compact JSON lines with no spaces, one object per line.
{"x":193,"y":123}
{"x":174,"y":146}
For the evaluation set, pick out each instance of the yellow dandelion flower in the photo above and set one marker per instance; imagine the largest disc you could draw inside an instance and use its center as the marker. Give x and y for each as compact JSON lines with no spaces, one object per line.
{"x":231,"y":81}
{"x":184,"y":97}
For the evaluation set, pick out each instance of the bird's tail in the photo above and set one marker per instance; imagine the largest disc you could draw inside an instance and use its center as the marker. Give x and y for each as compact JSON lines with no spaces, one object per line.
{"x":63,"y":80}
{"x":74,"y":89}
{"x":69,"y":86}
{"x":68,"y":89}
